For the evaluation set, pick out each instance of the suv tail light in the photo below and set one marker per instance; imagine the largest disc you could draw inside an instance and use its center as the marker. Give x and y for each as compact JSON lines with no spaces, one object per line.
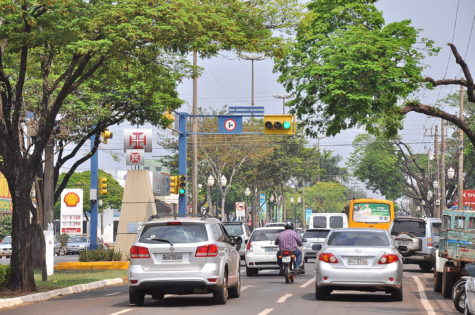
{"x":248,"y":245}
{"x":429,"y":241}
{"x":210,"y":250}
{"x":328,"y":258}
{"x":139,"y":252}
{"x":388,"y":259}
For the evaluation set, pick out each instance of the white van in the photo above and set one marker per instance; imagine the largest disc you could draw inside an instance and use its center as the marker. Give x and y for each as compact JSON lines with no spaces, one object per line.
{"x":328,"y":221}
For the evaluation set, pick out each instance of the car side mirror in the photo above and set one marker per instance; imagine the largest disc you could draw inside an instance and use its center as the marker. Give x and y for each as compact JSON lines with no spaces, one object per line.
{"x":316,"y":247}
{"x":304,"y":240}
{"x":402,"y":248}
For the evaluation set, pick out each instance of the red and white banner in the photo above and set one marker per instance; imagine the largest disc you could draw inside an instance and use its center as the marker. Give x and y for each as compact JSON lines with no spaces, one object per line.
{"x":138,"y":139}
{"x":468,"y":198}
{"x":71,"y":211}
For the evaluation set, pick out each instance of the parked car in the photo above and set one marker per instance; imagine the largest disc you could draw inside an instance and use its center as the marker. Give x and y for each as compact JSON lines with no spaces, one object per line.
{"x":261,"y":252}
{"x":314,"y":236}
{"x":6,"y":247}
{"x":420,"y":238}
{"x":240,"y":229}
{"x":358,"y":259}
{"x":186,"y":255}
{"x":77,"y":243}
{"x":59,"y":249}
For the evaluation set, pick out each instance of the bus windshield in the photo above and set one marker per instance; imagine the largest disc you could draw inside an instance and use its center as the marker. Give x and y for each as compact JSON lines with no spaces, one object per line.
{"x":368,"y":212}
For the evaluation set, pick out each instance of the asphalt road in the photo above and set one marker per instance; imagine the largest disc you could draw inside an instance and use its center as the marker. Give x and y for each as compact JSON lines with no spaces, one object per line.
{"x":262,"y":295}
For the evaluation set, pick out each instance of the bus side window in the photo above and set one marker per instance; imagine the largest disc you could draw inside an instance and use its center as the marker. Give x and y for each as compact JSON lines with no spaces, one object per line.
{"x":446,"y":223}
{"x":471,"y":223}
{"x":459,"y":222}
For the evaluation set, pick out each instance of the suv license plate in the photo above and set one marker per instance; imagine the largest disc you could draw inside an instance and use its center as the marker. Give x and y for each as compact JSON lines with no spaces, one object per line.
{"x":403,"y":243}
{"x":285,"y":259}
{"x":173,"y":257}
{"x":357,"y":261}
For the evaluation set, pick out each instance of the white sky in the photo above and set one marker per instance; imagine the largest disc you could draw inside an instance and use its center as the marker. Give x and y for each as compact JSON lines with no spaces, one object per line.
{"x":226,"y":79}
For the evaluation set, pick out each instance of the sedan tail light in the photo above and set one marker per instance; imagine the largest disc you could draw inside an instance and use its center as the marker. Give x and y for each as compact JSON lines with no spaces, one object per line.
{"x":139,"y":252}
{"x":210,"y":250}
{"x":388,"y":259}
{"x":328,"y":258}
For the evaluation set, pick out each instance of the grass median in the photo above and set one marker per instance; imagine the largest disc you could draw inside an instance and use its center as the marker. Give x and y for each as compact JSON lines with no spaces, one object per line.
{"x":63,"y":279}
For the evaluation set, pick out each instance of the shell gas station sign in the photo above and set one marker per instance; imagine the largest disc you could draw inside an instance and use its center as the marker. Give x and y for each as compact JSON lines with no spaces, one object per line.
{"x":71,"y":211}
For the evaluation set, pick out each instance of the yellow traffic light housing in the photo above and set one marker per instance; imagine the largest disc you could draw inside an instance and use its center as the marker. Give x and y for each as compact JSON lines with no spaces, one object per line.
{"x":170,"y":117}
{"x":174,"y":184}
{"x":103,"y":186}
{"x":106,"y":134}
{"x":182,"y":185}
{"x":279,"y":124}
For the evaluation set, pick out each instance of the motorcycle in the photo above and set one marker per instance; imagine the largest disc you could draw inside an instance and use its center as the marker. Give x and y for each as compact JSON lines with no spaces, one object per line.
{"x":288,"y":261}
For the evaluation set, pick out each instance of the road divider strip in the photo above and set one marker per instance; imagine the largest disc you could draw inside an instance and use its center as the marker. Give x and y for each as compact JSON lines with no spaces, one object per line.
{"x":425,"y":302}
{"x":284,"y":298}
{"x":93,"y":265}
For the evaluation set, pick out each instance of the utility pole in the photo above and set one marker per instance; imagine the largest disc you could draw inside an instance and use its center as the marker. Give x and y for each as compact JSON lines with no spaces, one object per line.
{"x":460,"y":166}
{"x":443,"y":194}
{"x":437,"y":173}
{"x":194,"y":137}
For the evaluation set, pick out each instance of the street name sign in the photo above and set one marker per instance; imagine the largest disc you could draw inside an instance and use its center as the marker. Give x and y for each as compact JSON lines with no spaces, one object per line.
{"x":246,"y":110}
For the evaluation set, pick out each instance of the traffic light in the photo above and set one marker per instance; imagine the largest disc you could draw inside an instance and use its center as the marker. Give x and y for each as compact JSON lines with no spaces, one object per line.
{"x":106,"y":134}
{"x":170,"y":117}
{"x":174,"y":184}
{"x":182,"y":185}
{"x":102,"y":185}
{"x":279,"y":125}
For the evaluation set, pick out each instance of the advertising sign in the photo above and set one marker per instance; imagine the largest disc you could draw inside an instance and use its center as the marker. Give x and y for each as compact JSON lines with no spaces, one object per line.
{"x":263,"y":206}
{"x":371,"y":212}
{"x":308,"y":213}
{"x":240,"y":209}
{"x":161,"y":184}
{"x":138,"y":139}
{"x":5,"y":197}
{"x":468,"y":199}
{"x":71,"y":211}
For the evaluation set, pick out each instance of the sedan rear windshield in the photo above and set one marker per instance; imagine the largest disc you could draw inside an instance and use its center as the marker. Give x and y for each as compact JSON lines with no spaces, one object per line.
{"x":416,"y":227}
{"x":358,"y":238}
{"x":234,"y":229}
{"x":182,"y":233}
{"x":265,"y":235}
{"x":316,"y":234}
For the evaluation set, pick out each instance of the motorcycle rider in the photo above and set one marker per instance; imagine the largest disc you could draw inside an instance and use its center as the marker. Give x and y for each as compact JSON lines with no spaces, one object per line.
{"x":290,"y":240}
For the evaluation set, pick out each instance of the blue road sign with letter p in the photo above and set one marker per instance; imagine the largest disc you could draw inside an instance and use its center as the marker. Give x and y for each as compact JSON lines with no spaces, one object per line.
{"x":230,"y":124}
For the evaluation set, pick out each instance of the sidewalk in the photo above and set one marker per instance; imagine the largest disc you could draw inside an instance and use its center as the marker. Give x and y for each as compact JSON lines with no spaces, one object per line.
{"x":43,"y":296}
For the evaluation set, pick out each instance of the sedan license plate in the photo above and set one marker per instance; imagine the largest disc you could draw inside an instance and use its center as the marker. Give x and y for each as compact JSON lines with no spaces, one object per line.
{"x":285,"y":259}
{"x":270,"y":249}
{"x":357,"y":261}
{"x":172,"y":257}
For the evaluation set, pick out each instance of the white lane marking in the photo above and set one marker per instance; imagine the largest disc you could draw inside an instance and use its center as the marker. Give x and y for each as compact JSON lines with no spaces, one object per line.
{"x":122,"y":312}
{"x":309,"y":282}
{"x":113,"y":293}
{"x":283,"y":298}
{"x":245,"y":287}
{"x":266,"y":311}
{"x":425,"y":302}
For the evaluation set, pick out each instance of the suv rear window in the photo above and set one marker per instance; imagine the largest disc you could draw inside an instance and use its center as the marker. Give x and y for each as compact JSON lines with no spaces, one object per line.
{"x":316,"y":234}
{"x":234,"y":229}
{"x":183,"y":233}
{"x":265,"y":235}
{"x":418,"y":228}
{"x":336,"y":222}
{"x":320,"y":222}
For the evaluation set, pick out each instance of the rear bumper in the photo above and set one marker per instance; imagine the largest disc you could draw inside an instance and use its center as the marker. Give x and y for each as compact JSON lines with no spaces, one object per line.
{"x":263,"y":261}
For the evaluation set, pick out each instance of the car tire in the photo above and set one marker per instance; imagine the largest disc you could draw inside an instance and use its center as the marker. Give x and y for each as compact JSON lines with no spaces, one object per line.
{"x":136,"y":297}
{"x":235,"y":291}
{"x":321,"y":293}
{"x":251,"y":272}
{"x":426,"y":267}
{"x":458,"y":285}
{"x":397,"y":294}
{"x":459,"y":300}
{"x":448,"y":280}
{"x":437,"y":281}
{"x":220,"y":295}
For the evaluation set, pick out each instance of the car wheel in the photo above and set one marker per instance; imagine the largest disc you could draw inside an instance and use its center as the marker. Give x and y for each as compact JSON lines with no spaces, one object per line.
{"x":448,"y":280}
{"x":396,"y":294}
{"x":136,"y":297}
{"x":61,"y":251}
{"x":235,"y":291}
{"x":458,"y":285}
{"x":459,"y":300}
{"x":220,"y":295}
{"x":437,"y":281}
{"x":250,"y":272}
{"x":321,"y":293}
{"x":426,"y":267}
{"x":158,"y":296}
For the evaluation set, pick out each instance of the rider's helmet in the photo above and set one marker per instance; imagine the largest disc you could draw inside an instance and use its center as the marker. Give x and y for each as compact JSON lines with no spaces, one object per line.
{"x":289,"y":225}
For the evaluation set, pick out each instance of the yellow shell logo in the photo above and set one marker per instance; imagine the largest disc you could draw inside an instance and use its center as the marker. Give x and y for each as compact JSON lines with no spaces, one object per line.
{"x":71,"y":199}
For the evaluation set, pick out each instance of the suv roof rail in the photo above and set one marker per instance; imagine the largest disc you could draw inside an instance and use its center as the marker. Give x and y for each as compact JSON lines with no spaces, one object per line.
{"x":202,"y":216}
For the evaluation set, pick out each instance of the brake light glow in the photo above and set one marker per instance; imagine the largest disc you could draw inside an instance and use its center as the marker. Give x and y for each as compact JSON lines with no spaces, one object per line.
{"x":429,"y":242}
{"x":210,"y":250}
{"x":249,"y":246}
{"x":139,"y":252}
{"x":173,"y":223}
{"x":388,"y":259}
{"x":286,"y":252}
{"x":328,"y":258}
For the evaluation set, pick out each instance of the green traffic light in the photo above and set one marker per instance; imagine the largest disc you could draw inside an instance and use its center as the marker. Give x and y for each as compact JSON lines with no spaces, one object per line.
{"x":286,"y":125}
{"x":182,"y":191}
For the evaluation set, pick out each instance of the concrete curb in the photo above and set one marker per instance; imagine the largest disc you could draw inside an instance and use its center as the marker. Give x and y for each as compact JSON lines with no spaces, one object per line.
{"x":43,"y":296}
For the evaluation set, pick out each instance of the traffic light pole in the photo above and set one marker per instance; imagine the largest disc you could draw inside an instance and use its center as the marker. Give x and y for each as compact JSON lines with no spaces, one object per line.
{"x":93,"y":211}
{"x":182,"y":198}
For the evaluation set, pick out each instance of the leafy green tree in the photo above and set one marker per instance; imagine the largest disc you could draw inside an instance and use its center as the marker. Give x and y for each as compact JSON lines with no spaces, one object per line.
{"x":5,"y":226}
{"x":348,"y":68}
{"x":82,"y":180}
{"x":326,"y":197}
{"x":93,"y":64}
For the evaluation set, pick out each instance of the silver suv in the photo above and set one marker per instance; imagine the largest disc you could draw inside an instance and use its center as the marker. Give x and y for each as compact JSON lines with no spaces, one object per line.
{"x":186,"y":255}
{"x":236,"y":228}
{"x":416,"y":239}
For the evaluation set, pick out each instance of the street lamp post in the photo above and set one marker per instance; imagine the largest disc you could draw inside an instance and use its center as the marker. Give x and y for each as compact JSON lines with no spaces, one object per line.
{"x":299,"y":201}
{"x":247,"y":193}
{"x":210,"y":183}
{"x":450,"y":175}
{"x":271,"y":202}
{"x":283,"y":97}
{"x":224,"y":181}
